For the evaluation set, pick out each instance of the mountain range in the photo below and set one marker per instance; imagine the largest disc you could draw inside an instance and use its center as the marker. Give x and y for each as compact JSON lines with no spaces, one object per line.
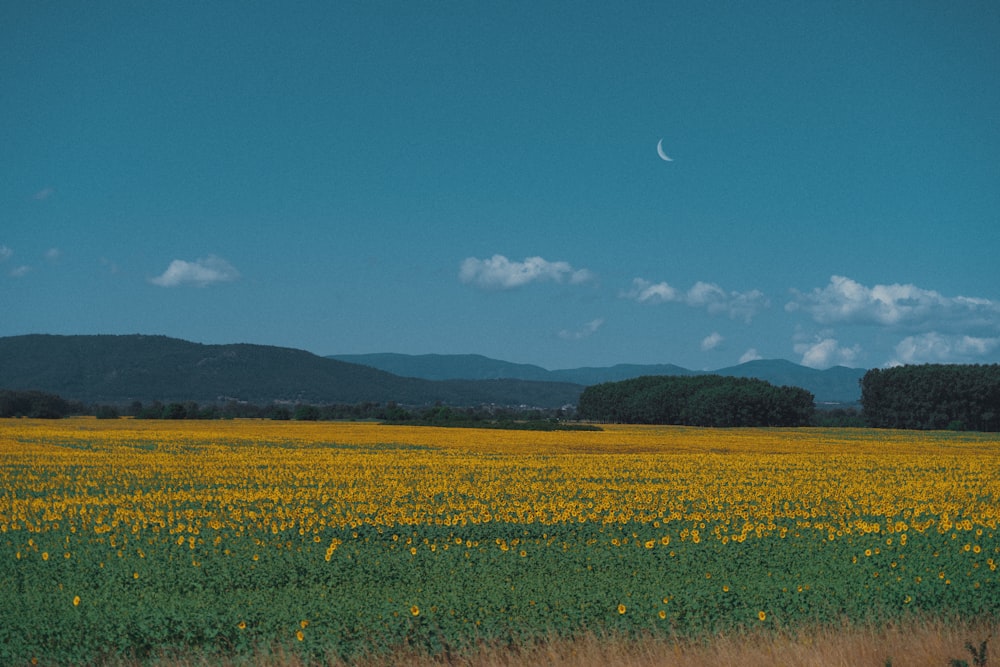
{"x":833,"y":385}
{"x":120,"y":369}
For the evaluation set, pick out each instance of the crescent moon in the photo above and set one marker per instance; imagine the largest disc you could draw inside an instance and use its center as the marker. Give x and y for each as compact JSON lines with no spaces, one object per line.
{"x":661,"y":153}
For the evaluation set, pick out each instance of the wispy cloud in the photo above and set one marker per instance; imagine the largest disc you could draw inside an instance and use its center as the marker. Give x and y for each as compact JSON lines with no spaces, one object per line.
{"x":498,"y":272}
{"x":17,"y":271}
{"x":199,"y":273}
{"x":750,"y":355}
{"x":111,"y":266}
{"x":711,"y":297}
{"x":845,"y":301}
{"x":711,"y":341}
{"x":934,"y":347}
{"x":53,"y":254}
{"x":43,"y":194}
{"x":587,"y":330}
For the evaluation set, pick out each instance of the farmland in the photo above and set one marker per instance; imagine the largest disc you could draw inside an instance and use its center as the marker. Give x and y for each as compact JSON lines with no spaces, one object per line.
{"x":335,"y":540}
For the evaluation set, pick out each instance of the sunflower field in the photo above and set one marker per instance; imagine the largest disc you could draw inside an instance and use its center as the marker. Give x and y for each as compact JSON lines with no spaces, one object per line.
{"x":337,"y":540}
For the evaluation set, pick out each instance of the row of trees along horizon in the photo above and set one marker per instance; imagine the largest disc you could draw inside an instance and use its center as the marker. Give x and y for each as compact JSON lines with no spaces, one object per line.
{"x":929,"y":396}
{"x":702,"y":400}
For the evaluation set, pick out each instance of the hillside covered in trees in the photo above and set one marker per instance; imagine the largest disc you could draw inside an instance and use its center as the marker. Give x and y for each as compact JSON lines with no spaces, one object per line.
{"x":933,"y":396}
{"x":123,"y":369}
{"x":835,"y":385}
{"x":704,"y":400}
{"x":160,"y":377}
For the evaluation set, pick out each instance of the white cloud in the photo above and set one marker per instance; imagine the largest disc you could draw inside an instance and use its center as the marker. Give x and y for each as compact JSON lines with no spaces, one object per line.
{"x":711,"y":341}
{"x":714,"y":299}
{"x":200,"y":273}
{"x":43,"y":194}
{"x":742,"y":305}
{"x":704,"y":294}
{"x":498,"y":272}
{"x":53,"y":254}
{"x":644,"y":291}
{"x":826,"y":352}
{"x":845,"y":301}
{"x":586,"y":331}
{"x":5,"y":253}
{"x":19,"y":271}
{"x":750,"y":355}
{"x":934,"y":347}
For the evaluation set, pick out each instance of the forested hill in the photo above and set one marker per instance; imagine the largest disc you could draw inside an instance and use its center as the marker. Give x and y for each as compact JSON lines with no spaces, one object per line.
{"x":833,"y":385}
{"x":117,"y":369}
{"x":478,"y":367}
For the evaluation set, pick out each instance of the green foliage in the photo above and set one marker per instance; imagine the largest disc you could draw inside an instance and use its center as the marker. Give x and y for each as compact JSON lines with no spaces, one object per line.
{"x":153,"y":593}
{"x":175,"y":411}
{"x":535,"y":419}
{"x":933,"y":396}
{"x":278,"y":413}
{"x":523,"y":420}
{"x":704,"y":400}
{"x":106,"y":412}
{"x":152,"y":411}
{"x":469,"y":418}
{"x":306,"y":413}
{"x":978,"y":655}
{"x":36,"y":404}
{"x":838,"y":418}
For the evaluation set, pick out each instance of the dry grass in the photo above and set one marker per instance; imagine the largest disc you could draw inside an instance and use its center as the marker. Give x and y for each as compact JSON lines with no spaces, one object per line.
{"x":918,"y":644}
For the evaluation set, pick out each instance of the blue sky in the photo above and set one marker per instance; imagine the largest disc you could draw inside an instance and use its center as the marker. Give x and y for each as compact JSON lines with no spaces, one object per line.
{"x":473,"y":177}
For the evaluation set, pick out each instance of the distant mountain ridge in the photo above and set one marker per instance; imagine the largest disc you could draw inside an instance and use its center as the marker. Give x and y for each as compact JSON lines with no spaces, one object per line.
{"x":833,"y":385}
{"x":117,"y":369}
{"x":837,"y":384}
{"x":446,"y":366}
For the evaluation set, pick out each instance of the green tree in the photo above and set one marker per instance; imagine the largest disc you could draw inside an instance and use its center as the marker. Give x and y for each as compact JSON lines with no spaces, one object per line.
{"x":704,"y":400}
{"x":306,"y":413}
{"x":933,"y":396}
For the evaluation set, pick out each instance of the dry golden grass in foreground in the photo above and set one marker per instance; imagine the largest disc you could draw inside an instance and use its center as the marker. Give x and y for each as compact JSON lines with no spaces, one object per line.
{"x":916,"y":644}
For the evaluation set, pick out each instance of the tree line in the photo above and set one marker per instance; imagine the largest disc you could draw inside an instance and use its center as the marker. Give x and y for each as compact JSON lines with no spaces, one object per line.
{"x":701,"y":400}
{"x":37,"y":405}
{"x":246,"y":410}
{"x":933,"y":396}
{"x":391,"y":412}
{"x":42,"y":405}
{"x":930,"y":396}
